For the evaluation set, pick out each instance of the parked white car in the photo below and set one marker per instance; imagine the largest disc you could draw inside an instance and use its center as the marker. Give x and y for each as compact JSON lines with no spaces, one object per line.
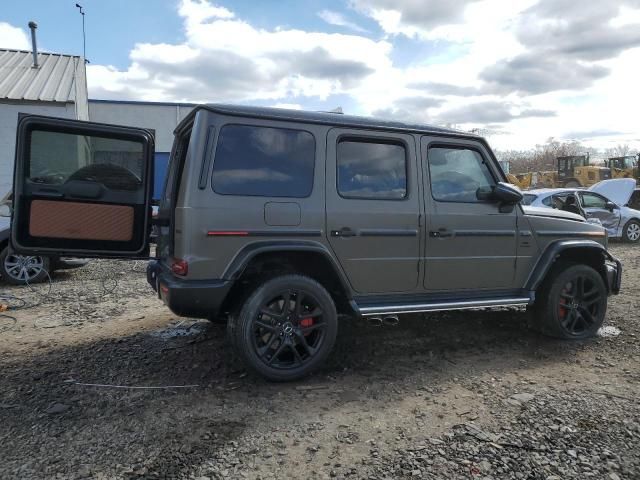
{"x":606,"y":201}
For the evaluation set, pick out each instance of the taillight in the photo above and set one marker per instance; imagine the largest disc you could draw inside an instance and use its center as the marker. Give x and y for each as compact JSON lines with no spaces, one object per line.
{"x":180,"y":267}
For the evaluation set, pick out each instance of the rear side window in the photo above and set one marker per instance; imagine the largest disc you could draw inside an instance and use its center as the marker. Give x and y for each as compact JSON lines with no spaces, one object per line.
{"x":57,"y":158}
{"x":263,"y":161}
{"x":371,"y":170}
{"x":457,"y":174}
{"x":548,"y":201}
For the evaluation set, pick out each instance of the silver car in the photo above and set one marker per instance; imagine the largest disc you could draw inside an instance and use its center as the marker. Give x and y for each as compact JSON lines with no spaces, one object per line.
{"x":607,"y":201}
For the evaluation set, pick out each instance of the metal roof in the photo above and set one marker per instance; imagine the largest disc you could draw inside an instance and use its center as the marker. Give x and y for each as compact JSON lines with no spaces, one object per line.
{"x":325,"y":118}
{"x":58,"y":78}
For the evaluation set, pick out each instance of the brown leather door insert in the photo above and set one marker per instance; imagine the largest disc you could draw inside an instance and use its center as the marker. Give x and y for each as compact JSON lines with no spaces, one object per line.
{"x":81,"y":221}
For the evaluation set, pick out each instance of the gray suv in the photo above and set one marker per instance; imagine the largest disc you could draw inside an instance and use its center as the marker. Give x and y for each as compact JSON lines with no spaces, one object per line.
{"x":278,"y":221}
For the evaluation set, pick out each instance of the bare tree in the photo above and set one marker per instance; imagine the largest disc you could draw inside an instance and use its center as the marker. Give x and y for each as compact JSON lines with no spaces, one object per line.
{"x":620,"y":150}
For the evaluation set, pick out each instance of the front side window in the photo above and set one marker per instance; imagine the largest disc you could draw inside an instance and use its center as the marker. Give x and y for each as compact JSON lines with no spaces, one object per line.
{"x":589,"y":200}
{"x":371,"y":170}
{"x":529,"y":198}
{"x":263,"y":161}
{"x":457,"y":174}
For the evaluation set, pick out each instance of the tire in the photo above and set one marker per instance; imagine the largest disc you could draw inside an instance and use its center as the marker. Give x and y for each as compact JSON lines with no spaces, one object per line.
{"x":21,"y":270}
{"x":271,"y":339}
{"x":631,"y":232}
{"x":566,"y":310}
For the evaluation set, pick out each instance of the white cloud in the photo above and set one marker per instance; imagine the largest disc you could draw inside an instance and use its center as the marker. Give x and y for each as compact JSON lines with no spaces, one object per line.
{"x":495,"y":69}
{"x":228,"y":59}
{"x":13,"y":37}
{"x":338,"y":19}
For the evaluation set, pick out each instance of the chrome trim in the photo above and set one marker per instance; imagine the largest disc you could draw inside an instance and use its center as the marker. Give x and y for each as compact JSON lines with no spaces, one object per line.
{"x":560,"y":233}
{"x":435,"y":307}
{"x":484,"y":233}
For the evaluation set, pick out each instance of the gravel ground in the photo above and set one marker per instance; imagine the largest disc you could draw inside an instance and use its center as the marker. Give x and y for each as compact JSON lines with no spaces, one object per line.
{"x":460,"y":395}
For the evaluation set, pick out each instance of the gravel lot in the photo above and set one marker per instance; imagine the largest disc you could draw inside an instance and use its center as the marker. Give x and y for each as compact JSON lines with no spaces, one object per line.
{"x":460,"y":395}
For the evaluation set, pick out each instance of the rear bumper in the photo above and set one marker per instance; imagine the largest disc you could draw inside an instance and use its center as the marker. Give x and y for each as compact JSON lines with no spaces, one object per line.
{"x":187,"y":298}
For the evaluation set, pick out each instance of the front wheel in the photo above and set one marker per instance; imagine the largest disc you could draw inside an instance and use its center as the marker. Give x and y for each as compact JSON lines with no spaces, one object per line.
{"x":286,"y":328}
{"x":631,"y":232}
{"x":572,"y":303}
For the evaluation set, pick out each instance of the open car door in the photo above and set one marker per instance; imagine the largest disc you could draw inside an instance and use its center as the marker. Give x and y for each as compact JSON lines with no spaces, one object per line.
{"x":81,"y":189}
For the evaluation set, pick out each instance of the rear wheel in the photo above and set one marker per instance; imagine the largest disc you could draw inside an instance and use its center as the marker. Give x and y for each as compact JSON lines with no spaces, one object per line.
{"x":572,"y":303}
{"x":286,"y":328}
{"x":631,"y":232}
{"x":22,"y":269}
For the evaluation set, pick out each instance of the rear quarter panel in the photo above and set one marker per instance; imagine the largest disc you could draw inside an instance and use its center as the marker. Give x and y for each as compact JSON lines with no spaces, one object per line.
{"x":202,"y":210}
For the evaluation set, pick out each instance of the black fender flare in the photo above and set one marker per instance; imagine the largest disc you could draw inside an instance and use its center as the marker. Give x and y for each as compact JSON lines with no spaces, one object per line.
{"x":236,"y":267}
{"x":554,"y":250}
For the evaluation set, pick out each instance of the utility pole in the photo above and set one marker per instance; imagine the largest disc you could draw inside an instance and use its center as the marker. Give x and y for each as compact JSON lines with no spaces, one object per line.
{"x":84,"y":42}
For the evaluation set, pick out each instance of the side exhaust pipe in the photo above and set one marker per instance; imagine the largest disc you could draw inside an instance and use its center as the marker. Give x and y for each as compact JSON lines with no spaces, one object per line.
{"x":375,"y":321}
{"x":391,"y":320}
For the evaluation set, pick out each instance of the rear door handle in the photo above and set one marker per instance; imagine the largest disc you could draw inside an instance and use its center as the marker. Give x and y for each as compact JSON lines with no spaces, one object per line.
{"x":343,"y":232}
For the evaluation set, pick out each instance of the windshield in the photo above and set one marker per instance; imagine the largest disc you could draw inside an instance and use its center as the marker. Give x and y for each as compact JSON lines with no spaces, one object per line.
{"x":528,"y":198}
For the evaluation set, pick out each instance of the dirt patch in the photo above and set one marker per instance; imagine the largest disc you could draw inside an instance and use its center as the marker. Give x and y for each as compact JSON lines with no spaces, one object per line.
{"x":450,"y":395}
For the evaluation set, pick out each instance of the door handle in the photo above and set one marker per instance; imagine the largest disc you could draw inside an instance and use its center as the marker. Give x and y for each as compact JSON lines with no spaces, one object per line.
{"x":343,"y":232}
{"x":440,"y":233}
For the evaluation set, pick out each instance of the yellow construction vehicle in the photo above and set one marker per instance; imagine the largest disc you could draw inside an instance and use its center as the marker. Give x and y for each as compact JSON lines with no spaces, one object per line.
{"x":511,"y":178}
{"x":625,"y":167}
{"x":575,"y":171}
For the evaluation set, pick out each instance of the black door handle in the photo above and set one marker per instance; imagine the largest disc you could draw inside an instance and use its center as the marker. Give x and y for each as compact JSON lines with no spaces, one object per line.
{"x":343,"y":232}
{"x":441,"y":233}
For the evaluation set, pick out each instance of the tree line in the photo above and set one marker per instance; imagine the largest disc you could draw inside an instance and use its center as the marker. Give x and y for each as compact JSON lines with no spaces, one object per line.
{"x":543,"y":157}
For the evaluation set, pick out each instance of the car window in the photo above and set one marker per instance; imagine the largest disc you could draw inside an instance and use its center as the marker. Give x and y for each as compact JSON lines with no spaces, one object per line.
{"x":371,"y":170}
{"x":591,"y":200}
{"x":56,"y":158}
{"x":634,"y":201}
{"x":548,"y":201}
{"x":457,"y":173}
{"x":264,"y":161}
{"x":529,"y":198}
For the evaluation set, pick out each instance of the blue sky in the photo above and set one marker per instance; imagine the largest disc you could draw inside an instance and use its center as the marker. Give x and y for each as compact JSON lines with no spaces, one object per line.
{"x":522,"y":71}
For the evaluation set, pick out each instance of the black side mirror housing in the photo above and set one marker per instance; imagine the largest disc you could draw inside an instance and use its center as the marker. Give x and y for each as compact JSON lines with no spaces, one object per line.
{"x":611,"y":206}
{"x":507,"y":194}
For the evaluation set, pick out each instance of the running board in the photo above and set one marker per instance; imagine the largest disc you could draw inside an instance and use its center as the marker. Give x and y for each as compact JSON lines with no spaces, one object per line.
{"x":369,"y":310}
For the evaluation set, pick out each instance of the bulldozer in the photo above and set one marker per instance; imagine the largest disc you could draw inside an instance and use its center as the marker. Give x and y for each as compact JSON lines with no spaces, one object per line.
{"x":625,"y":167}
{"x":528,"y":180}
{"x":575,"y":171}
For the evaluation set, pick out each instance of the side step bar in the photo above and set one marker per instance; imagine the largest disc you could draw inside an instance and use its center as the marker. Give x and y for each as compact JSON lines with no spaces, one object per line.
{"x":378,"y":309}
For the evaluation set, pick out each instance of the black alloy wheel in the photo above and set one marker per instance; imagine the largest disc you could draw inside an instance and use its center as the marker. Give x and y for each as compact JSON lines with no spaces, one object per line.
{"x":286,"y":328}
{"x":289,"y":329}
{"x":572,"y":303}
{"x":578,"y":306}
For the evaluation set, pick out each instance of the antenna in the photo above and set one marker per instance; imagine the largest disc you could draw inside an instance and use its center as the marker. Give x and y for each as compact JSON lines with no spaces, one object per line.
{"x":84,"y":40}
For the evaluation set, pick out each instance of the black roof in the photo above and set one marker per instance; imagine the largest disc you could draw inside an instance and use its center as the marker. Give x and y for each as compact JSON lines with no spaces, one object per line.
{"x":329,"y":118}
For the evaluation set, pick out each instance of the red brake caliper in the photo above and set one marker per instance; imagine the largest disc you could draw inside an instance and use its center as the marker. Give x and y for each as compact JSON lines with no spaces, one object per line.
{"x":306,"y":323}
{"x":562,"y":310}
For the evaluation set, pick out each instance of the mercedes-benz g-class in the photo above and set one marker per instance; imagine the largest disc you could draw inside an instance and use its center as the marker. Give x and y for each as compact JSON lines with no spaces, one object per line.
{"x":278,"y":220}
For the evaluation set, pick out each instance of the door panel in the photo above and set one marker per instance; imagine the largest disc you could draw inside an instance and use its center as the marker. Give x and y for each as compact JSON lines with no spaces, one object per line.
{"x":81,"y":188}
{"x":595,"y":206}
{"x":373,"y":208}
{"x":470,"y":244}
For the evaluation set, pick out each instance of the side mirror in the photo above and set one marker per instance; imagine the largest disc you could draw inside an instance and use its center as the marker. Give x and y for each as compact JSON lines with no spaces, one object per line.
{"x":611,"y":206}
{"x":507,"y":194}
